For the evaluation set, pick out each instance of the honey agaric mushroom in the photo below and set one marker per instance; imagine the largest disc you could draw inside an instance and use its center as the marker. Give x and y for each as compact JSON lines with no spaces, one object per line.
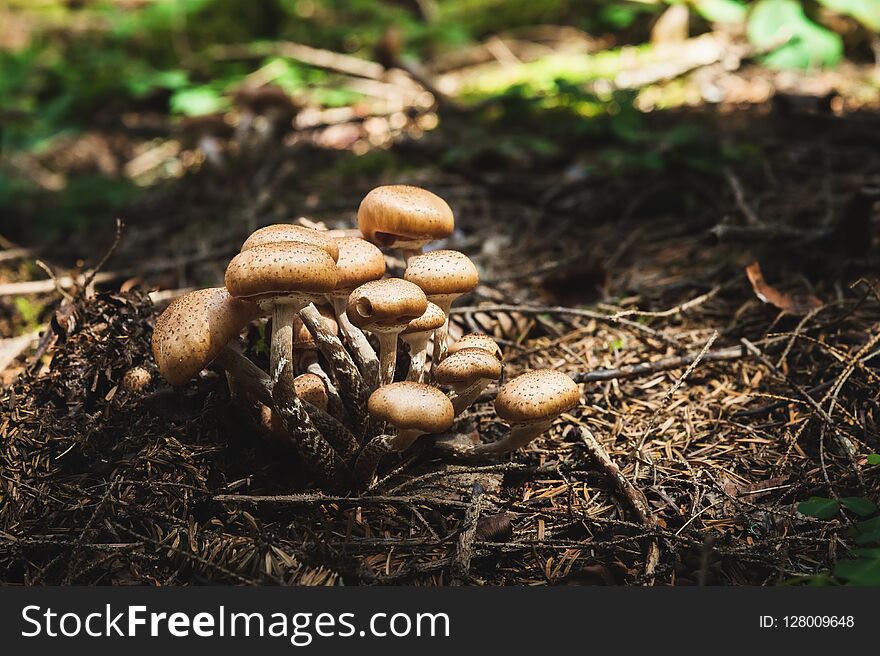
{"x":443,"y":276}
{"x":476,"y":340}
{"x":359,"y":262}
{"x":281,"y":232}
{"x":385,"y":307}
{"x":312,"y":389}
{"x":404,"y":217}
{"x":468,"y":372}
{"x":284,"y":276}
{"x":529,"y":404}
{"x":416,"y":334}
{"x":305,"y":356}
{"x":413,"y":409}
{"x":194,"y":330}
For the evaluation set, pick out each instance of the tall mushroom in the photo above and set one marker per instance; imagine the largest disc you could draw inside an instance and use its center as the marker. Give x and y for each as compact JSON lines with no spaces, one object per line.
{"x":443,"y":276}
{"x":529,"y":404}
{"x":416,"y":335}
{"x":359,"y":262}
{"x":412,"y":409}
{"x":405,"y":217}
{"x":284,"y":276}
{"x":385,"y":307}
{"x":468,"y":372}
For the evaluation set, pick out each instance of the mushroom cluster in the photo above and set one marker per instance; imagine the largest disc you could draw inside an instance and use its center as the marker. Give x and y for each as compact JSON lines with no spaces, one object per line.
{"x":339,"y":323}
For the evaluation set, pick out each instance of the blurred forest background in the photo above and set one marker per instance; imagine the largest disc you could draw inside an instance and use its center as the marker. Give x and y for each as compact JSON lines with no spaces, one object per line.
{"x":624,"y":174}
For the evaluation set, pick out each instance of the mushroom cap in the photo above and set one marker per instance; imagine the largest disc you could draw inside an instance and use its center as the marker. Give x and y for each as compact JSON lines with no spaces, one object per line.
{"x":301,"y":335}
{"x":280,"y":269}
{"x":535,"y":396}
{"x":193,"y":329}
{"x":476,"y":340}
{"x":359,"y":262}
{"x":385,"y":303}
{"x":468,"y":366}
{"x":312,"y":389}
{"x":280,"y":232}
{"x":432,"y":319}
{"x":412,"y":406}
{"x":393,"y":213}
{"x":442,"y":272}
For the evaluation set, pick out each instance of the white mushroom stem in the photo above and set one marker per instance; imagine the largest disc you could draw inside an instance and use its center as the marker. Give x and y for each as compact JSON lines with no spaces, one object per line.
{"x":409,"y":252}
{"x":367,"y":360}
{"x":388,"y":351}
{"x":441,"y":346}
{"x":464,"y":395}
{"x":418,"y":353}
{"x":519,"y":436}
{"x":282,"y":335}
{"x":248,"y":376}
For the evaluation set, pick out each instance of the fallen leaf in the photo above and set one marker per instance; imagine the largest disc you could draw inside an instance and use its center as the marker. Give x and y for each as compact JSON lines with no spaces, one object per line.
{"x":790,"y":304}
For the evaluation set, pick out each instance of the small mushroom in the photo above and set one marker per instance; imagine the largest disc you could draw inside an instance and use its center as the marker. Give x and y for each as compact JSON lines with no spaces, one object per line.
{"x":416,"y":336}
{"x":289,"y":232}
{"x":443,"y":276}
{"x":284,"y":276}
{"x":405,"y":217}
{"x":476,"y":340}
{"x":529,"y":404}
{"x":194,"y":330}
{"x":413,"y":409}
{"x":305,"y":355}
{"x":385,"y":307}
{"x":311,"y":389}
{"x":359,"y":262}
{"x":468,"y":372}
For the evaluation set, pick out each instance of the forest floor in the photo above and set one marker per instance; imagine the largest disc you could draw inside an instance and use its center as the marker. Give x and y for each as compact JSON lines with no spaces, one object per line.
{"x":720,"y":307}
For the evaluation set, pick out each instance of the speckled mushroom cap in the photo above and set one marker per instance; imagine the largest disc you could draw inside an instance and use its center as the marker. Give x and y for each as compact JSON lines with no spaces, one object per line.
{"x":280,"y":269}
{"x":535,"y":396}
{"x":281,"y":232}
{"x":312,"y":389}
{"x":432,"y":319}
{"x":193,"y":329}
{"x":476,"y":340}
{"x":301,"y":335}
{"x":385,"y":303}
{"x":394,"y":213}
{"x":442,"y":272}
{"x":468,"y":366}
{"x":412,"y":406}
{"x":359,"y":262}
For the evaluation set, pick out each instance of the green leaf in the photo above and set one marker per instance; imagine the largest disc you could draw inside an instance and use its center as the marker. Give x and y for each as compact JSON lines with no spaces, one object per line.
{"x":867,"y":12}
{"x":874,"y":459}
{"x":721,"y":11}
{"x":859,"y":505}
{"x":859,"y":572}
{"x":197,"y":101}
{"x":819,"y":507}
{"x":795,"y":40}
{"x":867,"y":532}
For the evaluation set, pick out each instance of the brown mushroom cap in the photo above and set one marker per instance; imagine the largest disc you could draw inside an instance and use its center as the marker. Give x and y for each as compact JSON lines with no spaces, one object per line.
{"x":301,"y":335}
{"x":476,"y":340}
{"x":538,"y":395}
{"x":395,"y":213}
{"x":281,"y":232}
{"x":412,"y":406}
{"x":359,"y":262}
{"x":193,"y":329}
{"x":280,"y":269}
{"x":442,"y":272}
{"x":312,"y":389}
{"x":432,"y":319}
{"x":387,"y":302}
{"x":468,"y":366}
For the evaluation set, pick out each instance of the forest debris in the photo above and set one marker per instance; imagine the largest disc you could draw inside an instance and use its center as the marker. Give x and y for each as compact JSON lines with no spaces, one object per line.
{"x":790,"y":304}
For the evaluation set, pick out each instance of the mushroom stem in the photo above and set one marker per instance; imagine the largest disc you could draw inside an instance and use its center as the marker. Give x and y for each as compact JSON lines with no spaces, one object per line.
{"x":388,"y":350}
{"x":351,"y":383}
{"x":253,"y":380}
{"x":307,"y":362}
{"x":319,"y":456}
{"x":334,"y":431}
{"x":369,"y":459}
{"x":464,"y":397}
{"x":409,"y":252}
{"x":363,"y":352}
{"x":282,"y":336}
{"x":441,"y":334}
{"x":418,"y":354}
{"x":518,"y":437}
